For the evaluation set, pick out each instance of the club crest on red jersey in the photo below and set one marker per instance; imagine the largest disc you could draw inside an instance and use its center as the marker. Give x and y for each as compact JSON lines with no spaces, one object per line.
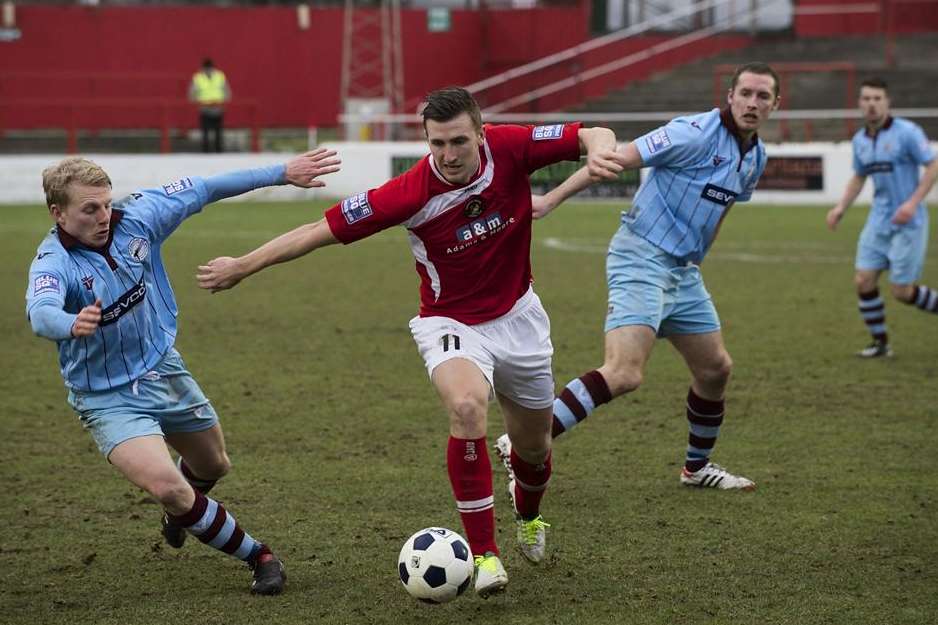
{"x":473,"y":208}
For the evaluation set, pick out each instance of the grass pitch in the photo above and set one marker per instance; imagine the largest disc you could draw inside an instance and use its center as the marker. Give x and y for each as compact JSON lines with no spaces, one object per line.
{"x":338,"y":444}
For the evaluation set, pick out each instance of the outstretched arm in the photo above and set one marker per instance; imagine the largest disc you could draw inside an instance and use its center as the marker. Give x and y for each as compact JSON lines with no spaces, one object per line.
{"x":300,"y":171}
{"x":599,"y":146}
{"x":626,"y":157}
{"x":225,"y":272}
{"x":854,"y":186}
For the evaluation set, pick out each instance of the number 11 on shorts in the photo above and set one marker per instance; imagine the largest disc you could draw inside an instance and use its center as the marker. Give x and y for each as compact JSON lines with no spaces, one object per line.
{"x":449,"y":339}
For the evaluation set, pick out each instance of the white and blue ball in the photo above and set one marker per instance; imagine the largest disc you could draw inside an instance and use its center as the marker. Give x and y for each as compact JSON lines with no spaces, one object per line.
{"x":435,"y":565}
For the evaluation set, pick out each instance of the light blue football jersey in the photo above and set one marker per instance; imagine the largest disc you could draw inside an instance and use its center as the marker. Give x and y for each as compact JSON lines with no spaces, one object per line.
{"x":138,"y":322}
{"x":698,"y":170}
{"x":893,"y":157}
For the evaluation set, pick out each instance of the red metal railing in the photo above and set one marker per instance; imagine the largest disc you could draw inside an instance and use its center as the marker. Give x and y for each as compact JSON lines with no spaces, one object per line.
{"x":90,"y":114}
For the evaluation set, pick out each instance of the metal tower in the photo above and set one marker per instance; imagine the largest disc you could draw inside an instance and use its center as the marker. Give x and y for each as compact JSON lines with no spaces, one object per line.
{"x":372,"y":63}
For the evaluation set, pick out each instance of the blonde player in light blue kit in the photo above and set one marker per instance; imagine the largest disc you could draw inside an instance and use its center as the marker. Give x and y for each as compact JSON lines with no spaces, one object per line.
{"x":98,"y":288}
{"x":892,"y":151}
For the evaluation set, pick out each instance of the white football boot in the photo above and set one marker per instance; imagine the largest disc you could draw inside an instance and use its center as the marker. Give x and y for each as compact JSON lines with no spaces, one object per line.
{"x":503,"y":451}
{"x":714,"y":476}
{"x":490,"y":575}
{"x":532,"y":538}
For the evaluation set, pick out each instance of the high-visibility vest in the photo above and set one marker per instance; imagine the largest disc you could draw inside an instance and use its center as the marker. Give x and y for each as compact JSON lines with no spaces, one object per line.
{"x":209,"y":88}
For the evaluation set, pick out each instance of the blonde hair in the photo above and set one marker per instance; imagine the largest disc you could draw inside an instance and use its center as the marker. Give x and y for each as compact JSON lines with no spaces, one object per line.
{"x":56,"y":178}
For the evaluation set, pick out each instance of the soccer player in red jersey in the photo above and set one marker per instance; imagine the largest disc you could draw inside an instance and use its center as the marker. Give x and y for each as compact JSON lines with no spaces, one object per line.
{"x":481,"y":329}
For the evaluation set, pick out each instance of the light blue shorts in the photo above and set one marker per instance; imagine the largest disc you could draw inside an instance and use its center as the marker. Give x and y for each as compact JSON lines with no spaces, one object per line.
{"x":164,"y":401}
{"x":901,"y":251}
{"x":648,"y":286}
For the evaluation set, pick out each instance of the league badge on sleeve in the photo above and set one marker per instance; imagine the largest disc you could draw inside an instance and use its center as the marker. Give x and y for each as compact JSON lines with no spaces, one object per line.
{"x":176,"y":187}
{"x":45,"y":283}
{"x":356,"y":208}
{"x":658,"y":140}
{"x":546,"y":133}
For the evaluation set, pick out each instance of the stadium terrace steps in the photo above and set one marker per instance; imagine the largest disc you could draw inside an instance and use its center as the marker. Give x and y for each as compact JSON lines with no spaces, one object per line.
{"x":690,"y":88}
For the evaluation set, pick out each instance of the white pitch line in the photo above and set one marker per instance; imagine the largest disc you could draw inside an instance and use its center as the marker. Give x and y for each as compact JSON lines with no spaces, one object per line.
{"x":744,"y":257}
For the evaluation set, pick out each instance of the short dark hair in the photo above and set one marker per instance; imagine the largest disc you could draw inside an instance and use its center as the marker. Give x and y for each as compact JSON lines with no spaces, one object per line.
{"x":207,"y":63}
{"x":756,"y":67}
{"x":445,"y":104}
{"x":875,"y":82}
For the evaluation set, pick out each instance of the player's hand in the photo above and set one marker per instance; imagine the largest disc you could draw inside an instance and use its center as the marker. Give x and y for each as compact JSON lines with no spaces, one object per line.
{"x":834,"y":216}
{"x":303,"y":170}
{"x":603,"y":165}
{"x":904,"y":213}
{"x":219,"y":274}
{"x":87,"y":320}
{"x":541,"y":206}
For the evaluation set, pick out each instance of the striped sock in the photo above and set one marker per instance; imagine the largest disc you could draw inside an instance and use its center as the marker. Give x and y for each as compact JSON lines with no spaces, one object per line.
{"x":213,"y":525}
{"x":530,"y":483}
{"x":873,"y":312}
{"x":578,"y":400}
{"x":925,"y":298}
{"x":704,"y":417}
{"x":203,"y":486}
{"x":470,"y":474}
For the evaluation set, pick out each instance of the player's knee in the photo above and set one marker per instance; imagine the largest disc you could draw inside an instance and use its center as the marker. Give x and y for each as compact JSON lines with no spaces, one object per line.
{"x":467,"y":416}
{"x":902,"y":292}
{"x":622,"y":378}
{"x":170,"y":492}
{"x":217,"y":467}
{"x":532,"y":444}
{"x":717,"y":373}
{"x":865,"y":283}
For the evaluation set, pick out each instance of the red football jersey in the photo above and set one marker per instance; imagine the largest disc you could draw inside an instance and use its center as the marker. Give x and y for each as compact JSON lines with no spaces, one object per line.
{"x":472,"y":243}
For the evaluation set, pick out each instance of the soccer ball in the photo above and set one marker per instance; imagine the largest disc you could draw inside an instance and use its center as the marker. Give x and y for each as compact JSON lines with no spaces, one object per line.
{"x":435,"y":565}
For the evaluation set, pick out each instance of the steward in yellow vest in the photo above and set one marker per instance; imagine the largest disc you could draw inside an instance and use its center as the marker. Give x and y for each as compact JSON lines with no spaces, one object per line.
{"x":209,"y":89}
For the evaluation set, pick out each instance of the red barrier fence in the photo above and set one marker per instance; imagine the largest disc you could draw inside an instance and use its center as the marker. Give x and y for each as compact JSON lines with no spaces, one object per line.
{"x":167,"y":115}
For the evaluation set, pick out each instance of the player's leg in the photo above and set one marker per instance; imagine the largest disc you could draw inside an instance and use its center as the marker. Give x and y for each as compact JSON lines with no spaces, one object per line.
{"x":638,"y":277}
{"x":145,"y":462}
{"x":693,"y":327}
{"x":917,"y":295}
{"x":202,"y":461}
{"x":203,"y":458}
{"x":205,"y":123}
{"x":524,"y":384}
{"x":529,"y":432}
{"x":872,"y":258}
{"x":627,"y":350}
{"x":873,"y":311}
{"x":464,"y":390}
{"x":189,"y":422}
{"x":460,"y":370}
{"x":710,"y":366}
{"x":217,"y":129}
{"x":907,"y":258}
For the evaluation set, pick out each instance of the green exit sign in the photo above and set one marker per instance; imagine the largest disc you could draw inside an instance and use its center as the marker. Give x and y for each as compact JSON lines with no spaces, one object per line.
{"x":438,"y":19}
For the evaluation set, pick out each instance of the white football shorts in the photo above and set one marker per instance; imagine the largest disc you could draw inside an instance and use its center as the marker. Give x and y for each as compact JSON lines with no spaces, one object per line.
{"x":514,"y":351}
